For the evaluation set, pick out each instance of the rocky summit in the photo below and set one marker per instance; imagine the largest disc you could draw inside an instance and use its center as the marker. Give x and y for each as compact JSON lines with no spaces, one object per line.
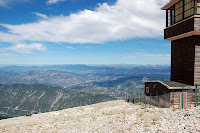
{"x":113,"y":116}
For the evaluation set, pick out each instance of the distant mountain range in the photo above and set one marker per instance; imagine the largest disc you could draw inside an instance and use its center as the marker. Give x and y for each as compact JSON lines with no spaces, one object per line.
{"x":131,"y":84}
{"x":68,"y":75}
{"x":21,"y":99}
{"x":35,"y":89}
{"x":117,"y":69}
{"x":54,"y":77}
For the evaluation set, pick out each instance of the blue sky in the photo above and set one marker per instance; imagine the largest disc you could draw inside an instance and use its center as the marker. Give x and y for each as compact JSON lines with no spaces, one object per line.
{"x":83,"y":32}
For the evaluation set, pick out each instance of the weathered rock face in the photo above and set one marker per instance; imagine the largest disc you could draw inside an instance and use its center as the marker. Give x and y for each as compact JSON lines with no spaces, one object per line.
{"x":21,"y":99}
{"x":113,"y":116}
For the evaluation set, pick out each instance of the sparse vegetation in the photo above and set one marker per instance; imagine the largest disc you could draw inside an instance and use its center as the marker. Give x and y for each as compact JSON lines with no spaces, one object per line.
{"x":113,"y":116}
{"x":4,"y":117}
{"x":141,"y":114}
{"x":29,"y":114}
{"x":155,"y":119}
{"x":146,"y":110}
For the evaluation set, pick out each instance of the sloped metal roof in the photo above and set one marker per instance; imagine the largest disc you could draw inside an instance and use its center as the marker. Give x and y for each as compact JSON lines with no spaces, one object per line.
{"x":176,"y":85}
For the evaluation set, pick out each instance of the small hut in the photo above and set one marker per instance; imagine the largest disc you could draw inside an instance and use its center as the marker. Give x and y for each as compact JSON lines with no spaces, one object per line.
{"x":171,"y":94}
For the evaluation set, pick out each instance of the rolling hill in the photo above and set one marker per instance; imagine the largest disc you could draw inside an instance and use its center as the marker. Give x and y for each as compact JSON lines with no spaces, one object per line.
{"x":21,"y":99}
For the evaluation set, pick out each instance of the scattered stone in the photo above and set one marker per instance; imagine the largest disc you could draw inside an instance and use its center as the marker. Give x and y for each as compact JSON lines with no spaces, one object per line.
{"x":113,"y":116}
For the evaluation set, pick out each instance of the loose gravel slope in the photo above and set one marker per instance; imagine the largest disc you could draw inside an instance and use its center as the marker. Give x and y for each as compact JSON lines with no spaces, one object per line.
{"x":114,"y":116}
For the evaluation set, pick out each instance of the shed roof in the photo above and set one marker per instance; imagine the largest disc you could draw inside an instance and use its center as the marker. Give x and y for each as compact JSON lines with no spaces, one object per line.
{"x":176,"y":85}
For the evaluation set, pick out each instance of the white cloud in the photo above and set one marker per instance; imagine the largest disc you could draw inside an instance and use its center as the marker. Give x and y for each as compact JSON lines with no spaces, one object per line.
{"x":145,"y":55}
{"x":125,"y":19}
{"x":26,"y":48}
{"x":6,"y":54}
{"x":2,"y":50}
{"x":154,"y":56}
{"x":5,"y":3}
{"x":53,"y":1}
{"x":69,"y":47}
{"x":40,"y":15}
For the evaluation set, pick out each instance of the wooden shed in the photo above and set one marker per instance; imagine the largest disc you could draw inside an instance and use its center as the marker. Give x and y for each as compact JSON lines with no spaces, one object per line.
{"x":164,"y":93}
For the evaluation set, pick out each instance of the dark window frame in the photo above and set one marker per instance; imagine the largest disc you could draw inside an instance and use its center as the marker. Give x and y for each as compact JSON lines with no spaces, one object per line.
{"x":188,"y":9}
{"x":197,"y":1}
{"x":170,"y":12}
{"x":173,"y":12}
{"x":183,"y":2}
{"x":147,"y":89}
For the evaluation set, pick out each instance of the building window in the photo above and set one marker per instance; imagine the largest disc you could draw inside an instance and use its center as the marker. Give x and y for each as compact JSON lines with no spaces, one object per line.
{"x":147,"y":89}
{"x":198,"y":6}
{"x":170,"y":16}
{"x":179,"y":11}
{"x":188,"y":8}
{"x":182,"y":9}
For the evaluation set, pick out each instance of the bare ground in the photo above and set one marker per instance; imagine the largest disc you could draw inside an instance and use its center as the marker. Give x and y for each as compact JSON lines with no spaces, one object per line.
{"x":114,"y":116}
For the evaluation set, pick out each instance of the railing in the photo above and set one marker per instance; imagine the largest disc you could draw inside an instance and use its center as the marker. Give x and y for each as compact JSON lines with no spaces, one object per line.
{"x":182,"y":27}
{"x":186,"y":98}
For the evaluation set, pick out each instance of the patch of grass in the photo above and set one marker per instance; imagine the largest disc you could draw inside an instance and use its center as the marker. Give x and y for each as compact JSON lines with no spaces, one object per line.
{"x":108,"y":113}
{"x":141,"y":114}
{"x":142,"y":104}
{"x":82,"y":109}
{"x":4,"y":117}
{"x":94,"y":118}
{"x":146,"y":125}
{"x":156,"y":118}
{"x":29,"y":114}
{"x":120,"y":131}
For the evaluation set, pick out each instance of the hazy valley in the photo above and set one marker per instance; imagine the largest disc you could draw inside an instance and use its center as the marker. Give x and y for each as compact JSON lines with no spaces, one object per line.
{"x":36,"y":89}
{"x":21,"y":99}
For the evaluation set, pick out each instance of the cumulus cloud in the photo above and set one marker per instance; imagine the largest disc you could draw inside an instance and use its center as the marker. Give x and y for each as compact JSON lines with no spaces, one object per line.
{"x":53,"y":1}
{"x":125,"y":19}
{"x":26,"y":48}
{"x":40,"y":15}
